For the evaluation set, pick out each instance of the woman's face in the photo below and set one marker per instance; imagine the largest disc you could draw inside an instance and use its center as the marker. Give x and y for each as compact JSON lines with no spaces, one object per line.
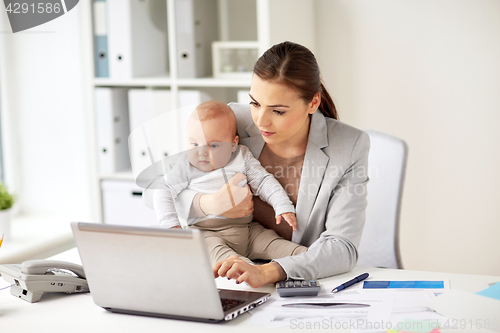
{"x":279,"y":112}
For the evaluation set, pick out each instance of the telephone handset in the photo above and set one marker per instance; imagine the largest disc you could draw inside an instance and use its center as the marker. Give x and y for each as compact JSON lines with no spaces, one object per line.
{"x":34,"y":277}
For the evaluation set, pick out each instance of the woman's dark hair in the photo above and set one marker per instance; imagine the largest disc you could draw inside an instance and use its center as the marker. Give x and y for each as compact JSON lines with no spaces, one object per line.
{"x":295,"y":66}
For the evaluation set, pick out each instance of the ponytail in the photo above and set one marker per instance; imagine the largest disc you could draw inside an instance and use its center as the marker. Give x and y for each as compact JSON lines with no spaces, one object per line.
{"x":327,"y":107}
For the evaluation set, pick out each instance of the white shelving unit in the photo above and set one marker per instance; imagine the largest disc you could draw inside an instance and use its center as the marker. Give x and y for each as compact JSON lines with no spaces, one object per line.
{"x":265,"y":21}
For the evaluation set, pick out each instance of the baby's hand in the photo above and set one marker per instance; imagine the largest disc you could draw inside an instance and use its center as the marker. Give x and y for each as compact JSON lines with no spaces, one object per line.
{"x":290,"y":218}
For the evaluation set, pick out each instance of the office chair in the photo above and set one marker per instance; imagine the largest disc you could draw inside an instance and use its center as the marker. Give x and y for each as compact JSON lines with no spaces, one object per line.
{"x":379,"y":245}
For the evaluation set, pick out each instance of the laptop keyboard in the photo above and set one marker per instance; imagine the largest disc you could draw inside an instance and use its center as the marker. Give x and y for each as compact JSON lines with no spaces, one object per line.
{"x":228,"y":304}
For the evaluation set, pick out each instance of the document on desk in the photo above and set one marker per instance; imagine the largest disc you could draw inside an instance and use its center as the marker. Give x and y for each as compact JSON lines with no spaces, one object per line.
{"x":410,"y":309}
{"x":289,"y":312}
{"x":468,"y":311}
{"x":387,"y":310}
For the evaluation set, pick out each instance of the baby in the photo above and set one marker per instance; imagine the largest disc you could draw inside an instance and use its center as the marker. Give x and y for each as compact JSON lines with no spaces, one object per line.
{"x":213,"y":157}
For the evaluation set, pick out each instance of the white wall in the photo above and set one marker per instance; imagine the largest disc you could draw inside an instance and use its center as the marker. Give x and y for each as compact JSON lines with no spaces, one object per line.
{"x":42,"y":88}
{"x":427,"y":71}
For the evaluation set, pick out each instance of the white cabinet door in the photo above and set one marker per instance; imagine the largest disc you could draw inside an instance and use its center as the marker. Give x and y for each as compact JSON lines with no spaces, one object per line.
{"x":122,"y":204}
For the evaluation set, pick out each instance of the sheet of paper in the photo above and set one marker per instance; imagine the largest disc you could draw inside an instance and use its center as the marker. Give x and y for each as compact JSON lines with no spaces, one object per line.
{"x":416,"y":326}
{"x":408,"y":306}
{"x":389,"y":308}
{"x":273,"y":314}
{"x":468,"y":311}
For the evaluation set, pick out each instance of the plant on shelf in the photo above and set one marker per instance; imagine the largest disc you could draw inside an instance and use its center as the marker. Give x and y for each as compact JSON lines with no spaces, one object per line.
{"x":6,"y":199}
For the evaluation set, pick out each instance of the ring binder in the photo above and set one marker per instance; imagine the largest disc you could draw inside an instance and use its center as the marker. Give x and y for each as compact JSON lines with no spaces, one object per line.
{"x":112,"y":129}
{"x":101,"y":61}
{"x":137,"y":45}
{"x":195,"y":33}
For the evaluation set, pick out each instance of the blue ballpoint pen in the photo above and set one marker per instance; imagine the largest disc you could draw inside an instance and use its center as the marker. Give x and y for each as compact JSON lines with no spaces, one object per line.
{"x":351,"y":282}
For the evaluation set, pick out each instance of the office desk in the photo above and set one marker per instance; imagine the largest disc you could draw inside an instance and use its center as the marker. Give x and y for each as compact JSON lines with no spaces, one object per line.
{"x":77,"y":313}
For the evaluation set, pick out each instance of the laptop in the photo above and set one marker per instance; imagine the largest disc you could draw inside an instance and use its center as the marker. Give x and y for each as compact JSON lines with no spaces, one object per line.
{"x":156,"y":272}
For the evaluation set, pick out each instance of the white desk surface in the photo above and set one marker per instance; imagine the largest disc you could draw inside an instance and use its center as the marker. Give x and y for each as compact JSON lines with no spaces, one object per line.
{"x":77,"y":313}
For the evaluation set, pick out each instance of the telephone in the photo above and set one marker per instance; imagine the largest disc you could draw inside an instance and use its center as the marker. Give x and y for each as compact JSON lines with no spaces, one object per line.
{"x":32,"y":278}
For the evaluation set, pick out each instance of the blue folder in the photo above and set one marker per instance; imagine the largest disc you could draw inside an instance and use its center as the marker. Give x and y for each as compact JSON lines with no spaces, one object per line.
{"x":403,"y":285}
{"x":101,"y":57}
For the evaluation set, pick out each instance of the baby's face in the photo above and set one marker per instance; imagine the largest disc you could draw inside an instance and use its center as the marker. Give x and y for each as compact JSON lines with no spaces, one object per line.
{"x":210,"y":143}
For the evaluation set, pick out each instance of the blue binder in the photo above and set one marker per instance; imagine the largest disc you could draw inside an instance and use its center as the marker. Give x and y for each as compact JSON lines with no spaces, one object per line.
{"x":101,"y":57}
{"x":403,"y":285}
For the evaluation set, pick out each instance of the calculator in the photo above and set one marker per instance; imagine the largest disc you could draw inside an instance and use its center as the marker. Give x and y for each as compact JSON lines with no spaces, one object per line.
{"x":291,"y":288}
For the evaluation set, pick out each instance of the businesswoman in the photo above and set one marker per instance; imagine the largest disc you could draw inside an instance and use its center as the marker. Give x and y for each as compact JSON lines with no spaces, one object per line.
{"x":291,"y":127}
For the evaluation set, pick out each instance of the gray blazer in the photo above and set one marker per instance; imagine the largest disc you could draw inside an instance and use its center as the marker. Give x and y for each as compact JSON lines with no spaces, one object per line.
{"x":332,"y":194}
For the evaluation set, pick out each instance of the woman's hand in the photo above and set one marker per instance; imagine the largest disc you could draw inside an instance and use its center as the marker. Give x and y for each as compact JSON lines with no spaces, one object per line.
{"x":221,"y":202}
{"x":241,"y":271}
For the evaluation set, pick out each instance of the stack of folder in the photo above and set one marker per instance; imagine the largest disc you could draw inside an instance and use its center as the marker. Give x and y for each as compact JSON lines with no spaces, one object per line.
{"x":137,"y":127}
{"x":196,"y":29}
{"x":112,"y":117}
{"x":128,"y":41}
